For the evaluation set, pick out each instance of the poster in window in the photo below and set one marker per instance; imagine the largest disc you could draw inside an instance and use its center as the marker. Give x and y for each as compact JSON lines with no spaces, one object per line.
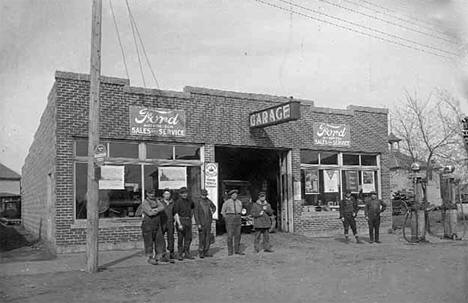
{"x":172,"y":177}
{"x":330,"y":181}
{"x":112,"y":177}
{"x":368,"y":181}
{"x":352,"y":180}
{"x":311,"y":181}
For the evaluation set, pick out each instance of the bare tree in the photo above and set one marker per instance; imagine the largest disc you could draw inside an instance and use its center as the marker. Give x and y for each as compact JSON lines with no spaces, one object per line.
{"x":430,"y":129}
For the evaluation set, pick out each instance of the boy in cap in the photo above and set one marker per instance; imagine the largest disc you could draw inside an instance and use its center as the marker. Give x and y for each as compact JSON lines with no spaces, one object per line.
{"x":151,"y":227}
{"x":231,"y":211}
{"x":167,"y":221}
{"x":374,"y":207}
{"x":183,"y":212}
{"x":348,"y":213}
{"x":261,"y":212}
{"x":203,"y":213}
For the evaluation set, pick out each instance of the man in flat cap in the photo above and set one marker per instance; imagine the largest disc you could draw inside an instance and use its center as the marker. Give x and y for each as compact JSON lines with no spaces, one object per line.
{"x":373,"y":208}
{"x":348,"y":212}
{"x":261,"y":212}
{"x":203,"y":213}
{"x":231,"y":211}
{"x":183,"y":212}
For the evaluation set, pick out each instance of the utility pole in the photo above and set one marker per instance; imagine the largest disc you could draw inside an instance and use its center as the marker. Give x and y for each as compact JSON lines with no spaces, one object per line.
{"x":92,"y":227}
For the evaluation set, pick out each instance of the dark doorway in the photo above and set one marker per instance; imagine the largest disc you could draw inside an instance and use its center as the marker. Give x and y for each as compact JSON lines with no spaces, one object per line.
{"x":254,"y":169}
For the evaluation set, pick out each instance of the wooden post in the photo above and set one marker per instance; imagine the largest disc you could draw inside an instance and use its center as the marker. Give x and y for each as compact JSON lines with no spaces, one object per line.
{"x":92,"y":227}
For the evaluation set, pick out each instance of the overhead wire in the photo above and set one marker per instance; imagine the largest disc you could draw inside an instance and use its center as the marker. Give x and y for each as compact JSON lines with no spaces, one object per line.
{"x":367,"y":27}
{"x":348,"y":28}
{"x":144,"y":50}
{"x":387,"y":21}
{"x":136,"y":43}
{"x":118,"y":38}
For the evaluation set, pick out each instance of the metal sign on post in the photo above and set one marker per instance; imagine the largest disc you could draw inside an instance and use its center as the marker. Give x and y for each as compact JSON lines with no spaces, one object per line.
{"x":100,"y":154}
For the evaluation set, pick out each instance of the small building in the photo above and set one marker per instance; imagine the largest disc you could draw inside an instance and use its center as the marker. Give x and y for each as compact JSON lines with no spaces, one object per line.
{"x":303,"y":156}
{"x":10,"y":193}
{"x":401,"y":174}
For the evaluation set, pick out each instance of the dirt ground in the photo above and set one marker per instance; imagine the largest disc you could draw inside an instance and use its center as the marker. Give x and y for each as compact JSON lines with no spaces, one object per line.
{"x":300,"y":270}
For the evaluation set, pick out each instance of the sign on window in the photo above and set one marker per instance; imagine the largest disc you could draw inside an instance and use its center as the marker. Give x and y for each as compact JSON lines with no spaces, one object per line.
{"x":172,"y":177}
{"x":112,"y":177}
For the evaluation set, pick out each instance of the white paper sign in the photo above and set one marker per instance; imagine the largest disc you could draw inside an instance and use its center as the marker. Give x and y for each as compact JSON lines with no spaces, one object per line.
{"x":331,"y":181}
{"x":172,"y":177}
{"x":368,"y":181}
{"x":112,"y":177}
{"x":211,"y":184}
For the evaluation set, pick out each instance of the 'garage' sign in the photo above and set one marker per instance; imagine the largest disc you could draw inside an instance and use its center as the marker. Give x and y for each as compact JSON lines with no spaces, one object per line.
{"x":275,"y":115}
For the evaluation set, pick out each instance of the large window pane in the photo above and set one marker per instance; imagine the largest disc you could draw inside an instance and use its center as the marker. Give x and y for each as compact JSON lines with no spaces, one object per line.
{"x":81,"y":172}
{"x":159,"y":151}
{"x":349,"y":159}
{"x":123,"y":150}
{"x":187,"y":152}
{"x":329,"y":158}
{"x":368,"y":160}
{"x":323,"y":201}
{"x":309,"y":157}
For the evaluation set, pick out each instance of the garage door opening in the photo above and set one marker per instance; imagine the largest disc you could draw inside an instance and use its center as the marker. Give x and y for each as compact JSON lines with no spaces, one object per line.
{"x":250,"y":170}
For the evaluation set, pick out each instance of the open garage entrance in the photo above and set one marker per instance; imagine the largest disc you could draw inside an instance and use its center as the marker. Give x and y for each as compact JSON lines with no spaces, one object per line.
{"x":252,"y":170}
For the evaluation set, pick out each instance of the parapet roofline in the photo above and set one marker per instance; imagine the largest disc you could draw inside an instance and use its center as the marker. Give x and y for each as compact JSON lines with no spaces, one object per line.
{"x":188,"y":90}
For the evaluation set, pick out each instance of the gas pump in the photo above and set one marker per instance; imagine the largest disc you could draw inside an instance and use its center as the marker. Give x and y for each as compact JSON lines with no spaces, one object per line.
{"x":418,"y":206}
{"x":449,"y":204}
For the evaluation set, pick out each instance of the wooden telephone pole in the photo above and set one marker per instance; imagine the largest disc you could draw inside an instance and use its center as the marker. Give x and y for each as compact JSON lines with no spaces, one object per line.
{"x":92,"y":227}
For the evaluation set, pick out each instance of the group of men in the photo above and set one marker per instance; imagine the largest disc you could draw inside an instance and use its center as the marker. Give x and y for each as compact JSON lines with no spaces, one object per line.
{"x":372,"y":210}
{"x":162,"y":216}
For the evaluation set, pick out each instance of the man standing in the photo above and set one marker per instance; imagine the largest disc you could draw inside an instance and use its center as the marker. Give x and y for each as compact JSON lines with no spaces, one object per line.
{"x":261,"y":212}
{"x":167,"y":221}
{"x":151,"y":228}
{"x":348,"y":213}
{"x":231,"y":212}
{"x":374,"y":207}
{"x":204,"y":209}
{"x":183,"y":212}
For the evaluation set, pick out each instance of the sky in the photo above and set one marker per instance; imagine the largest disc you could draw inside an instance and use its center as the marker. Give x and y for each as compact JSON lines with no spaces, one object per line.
{"x":242,"y":45}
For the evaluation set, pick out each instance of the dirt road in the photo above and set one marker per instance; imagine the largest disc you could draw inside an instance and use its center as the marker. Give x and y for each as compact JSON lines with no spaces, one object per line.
{"x":301,"y":270}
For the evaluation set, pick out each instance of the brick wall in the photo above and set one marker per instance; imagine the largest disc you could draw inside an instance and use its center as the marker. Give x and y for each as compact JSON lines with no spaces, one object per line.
{"x":213,"y":118}
{"x":37,"y":215}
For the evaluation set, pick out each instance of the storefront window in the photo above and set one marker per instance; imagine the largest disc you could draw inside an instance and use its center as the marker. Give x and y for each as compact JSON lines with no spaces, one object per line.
{"x":187,"y":152}
{"x":309,"y":157}
{"x":368,"y":160}
{"x":113,"y":200}
{"x":123,"y":150}
{"x":159,"y":151}
{"x":350,"y":159}
{"x":320,"y":187}
{"x":328,"y":158}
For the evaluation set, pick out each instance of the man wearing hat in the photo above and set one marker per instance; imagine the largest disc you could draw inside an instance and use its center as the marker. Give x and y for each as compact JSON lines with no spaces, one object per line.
{"x":231,"y":211}
{"x":373,"y":208}
{"x":348,"y":212}
{"x":151,"y":228}
{"x":203,"y":213}
{"x":261,"y":212}
{"x":183,"y":212}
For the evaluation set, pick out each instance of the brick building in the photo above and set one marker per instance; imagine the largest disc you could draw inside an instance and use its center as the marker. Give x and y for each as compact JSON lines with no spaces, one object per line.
{"x":157,"y":139}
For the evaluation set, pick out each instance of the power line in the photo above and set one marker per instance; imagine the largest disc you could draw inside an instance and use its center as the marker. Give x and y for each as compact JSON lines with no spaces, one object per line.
{"x":352,"y":29}
{"x":420,"y":21}
{"x":368,"y":28}
{"x":118,"y":38}
{"x":136,"y":43}
{"x":144,"y":50}
{"x":386,"y":21}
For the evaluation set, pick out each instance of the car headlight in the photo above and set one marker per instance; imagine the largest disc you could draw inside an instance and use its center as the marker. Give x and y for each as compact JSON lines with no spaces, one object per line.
{"x":243,"y":211}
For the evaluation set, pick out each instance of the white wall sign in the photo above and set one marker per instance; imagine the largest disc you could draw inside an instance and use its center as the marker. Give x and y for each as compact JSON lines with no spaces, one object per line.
{"x":331,"y":181}
{"x":112,"y":177}
{"x":211,"y":184}
{"x":172,"y":177}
